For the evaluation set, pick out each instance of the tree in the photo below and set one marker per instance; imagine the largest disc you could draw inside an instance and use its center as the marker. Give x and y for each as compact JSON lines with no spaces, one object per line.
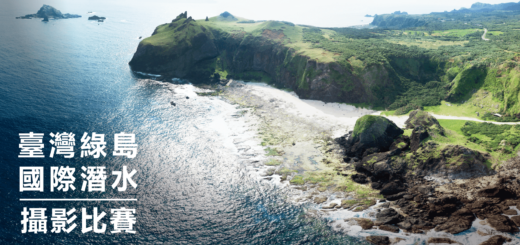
{"x":207,"y":18}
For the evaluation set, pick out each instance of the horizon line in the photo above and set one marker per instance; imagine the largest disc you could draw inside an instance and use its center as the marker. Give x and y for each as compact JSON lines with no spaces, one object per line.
{"x":76,"y":199}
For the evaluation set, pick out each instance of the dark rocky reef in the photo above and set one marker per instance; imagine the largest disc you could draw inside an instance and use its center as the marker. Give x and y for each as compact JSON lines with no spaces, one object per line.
{"x":47,"y":12}
{"x":431,"y":187}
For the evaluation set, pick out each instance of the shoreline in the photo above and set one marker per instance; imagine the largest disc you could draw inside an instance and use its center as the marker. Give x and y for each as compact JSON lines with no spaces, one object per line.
{"x":288,"y":143}
{"x":308,"y":149}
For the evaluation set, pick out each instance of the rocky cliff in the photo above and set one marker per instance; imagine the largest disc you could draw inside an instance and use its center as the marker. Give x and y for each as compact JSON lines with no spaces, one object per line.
{"x":198,"y":51}
{"x":177,"y":50}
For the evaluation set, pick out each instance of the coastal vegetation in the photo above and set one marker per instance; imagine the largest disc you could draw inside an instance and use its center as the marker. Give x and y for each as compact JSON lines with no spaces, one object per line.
{"x":394,"y":68}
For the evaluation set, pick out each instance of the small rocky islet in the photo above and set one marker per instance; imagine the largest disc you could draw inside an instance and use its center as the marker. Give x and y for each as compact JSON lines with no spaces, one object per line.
{"x":98,"y":18}
{"x":47,"y":12}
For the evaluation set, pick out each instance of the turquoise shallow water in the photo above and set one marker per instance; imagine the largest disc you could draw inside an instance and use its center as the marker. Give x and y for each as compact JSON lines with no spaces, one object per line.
{"x":72,"y":75}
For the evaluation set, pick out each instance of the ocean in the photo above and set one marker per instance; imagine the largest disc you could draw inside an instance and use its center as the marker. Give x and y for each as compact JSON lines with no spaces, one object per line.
{"x":72,"y":75}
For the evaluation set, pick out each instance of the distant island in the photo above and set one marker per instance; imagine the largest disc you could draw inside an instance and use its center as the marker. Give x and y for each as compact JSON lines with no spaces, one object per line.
{"x":46,"y":12}
{"x":367,"y":15}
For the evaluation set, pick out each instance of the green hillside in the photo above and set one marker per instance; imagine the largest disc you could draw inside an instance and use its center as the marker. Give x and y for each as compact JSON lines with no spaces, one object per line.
{"x":399,"y":70}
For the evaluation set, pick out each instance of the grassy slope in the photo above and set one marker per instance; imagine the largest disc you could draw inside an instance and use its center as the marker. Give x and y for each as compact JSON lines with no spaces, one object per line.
{"x":507,"y":79}
{"x":455,"y":136}
{"x":175,"y":37}
{"x":292,"y":34}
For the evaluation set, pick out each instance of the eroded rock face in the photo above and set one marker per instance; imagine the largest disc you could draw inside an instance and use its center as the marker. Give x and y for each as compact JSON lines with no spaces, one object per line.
{"x":458,"y":222}
{"x":516,"y":219}
{"x":425,"y":120}
{"x":245,"y":56}
{"x":502,"y":223}
{"x":379,"y":167}
{"x":419,"y":134}
{"x":449,"y":162}
{"x":434,"y":187}
{"x":424,"y":125}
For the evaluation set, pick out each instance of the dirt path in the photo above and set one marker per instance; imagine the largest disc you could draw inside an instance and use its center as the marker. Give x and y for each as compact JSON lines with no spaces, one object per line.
{"x":484,"y":35}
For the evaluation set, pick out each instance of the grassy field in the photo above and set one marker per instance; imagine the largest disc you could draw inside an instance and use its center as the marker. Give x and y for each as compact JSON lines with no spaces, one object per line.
{"x":292,"y":34}
{"x":452,"y":109}
{"x":479,"y":102}
{"x":455,"y":32}
{"x":455,"y":136}
{"x":319,"y":54}
{"x":433,"y":44}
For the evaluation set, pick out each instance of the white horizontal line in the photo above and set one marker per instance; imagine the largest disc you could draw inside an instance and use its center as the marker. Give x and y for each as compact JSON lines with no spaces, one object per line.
{"x":74,"y":199}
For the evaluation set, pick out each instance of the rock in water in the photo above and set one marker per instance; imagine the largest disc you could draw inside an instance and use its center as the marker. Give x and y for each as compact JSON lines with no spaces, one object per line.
{"x":371,"y":134}
{"x":442,"y":240}
{"x":388,"y":216}
{"x":496,"y":240}
{"x":390,"y":228}
{"x":366,"y":224}
{"x":95,"y":17}
{"x":379,"y":240}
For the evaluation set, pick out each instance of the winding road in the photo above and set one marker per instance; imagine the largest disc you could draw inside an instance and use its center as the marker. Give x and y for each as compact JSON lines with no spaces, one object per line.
{"x":484,"y":35}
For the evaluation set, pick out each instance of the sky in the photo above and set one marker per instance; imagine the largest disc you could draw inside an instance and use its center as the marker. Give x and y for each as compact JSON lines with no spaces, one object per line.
{"x":326,"y":13}
{"x":323,"y":13}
